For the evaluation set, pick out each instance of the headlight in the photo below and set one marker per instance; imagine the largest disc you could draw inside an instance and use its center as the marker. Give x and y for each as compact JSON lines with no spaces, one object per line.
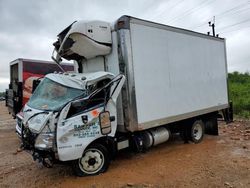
{"x":37,"y":122}
{"x":45,"y":139}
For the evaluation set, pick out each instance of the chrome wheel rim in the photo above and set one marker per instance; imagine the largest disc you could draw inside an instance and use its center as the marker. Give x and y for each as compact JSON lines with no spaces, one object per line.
{"x":197,"y":131}
{"x":92,"y":161}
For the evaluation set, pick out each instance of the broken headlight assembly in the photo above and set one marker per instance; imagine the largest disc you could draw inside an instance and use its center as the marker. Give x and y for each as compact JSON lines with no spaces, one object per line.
{"x":45,"y":139}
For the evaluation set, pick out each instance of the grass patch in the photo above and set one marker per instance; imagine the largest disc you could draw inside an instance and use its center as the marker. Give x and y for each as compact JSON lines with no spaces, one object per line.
{"x":239,"y":93}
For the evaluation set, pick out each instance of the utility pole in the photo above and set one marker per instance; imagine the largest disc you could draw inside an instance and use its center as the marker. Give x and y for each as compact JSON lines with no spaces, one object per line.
{"x":212,"y":24}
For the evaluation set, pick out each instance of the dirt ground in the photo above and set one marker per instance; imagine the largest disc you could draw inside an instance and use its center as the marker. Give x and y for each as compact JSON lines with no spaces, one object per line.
{"x":219,"y":161}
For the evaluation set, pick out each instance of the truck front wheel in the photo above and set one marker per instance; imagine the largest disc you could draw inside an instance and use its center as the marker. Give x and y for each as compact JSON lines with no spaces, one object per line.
{"x":94,"y":160}
{"x":197,"y":131}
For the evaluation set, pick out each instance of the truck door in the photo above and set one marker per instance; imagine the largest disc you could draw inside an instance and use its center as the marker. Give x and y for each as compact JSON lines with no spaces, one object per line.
{"x":111,"y":103}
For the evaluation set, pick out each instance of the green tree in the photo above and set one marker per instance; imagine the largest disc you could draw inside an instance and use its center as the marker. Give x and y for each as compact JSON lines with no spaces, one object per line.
{"x":239,"y":93}
{"x":2,"y":94}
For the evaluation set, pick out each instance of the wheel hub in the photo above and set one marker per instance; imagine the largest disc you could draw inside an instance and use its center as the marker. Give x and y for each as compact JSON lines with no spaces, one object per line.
{"x":91,"y":161}
{"x":197,"y":131}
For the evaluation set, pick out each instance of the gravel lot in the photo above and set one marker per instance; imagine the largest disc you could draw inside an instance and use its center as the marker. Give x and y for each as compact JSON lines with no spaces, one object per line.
{"x":219,"y":161}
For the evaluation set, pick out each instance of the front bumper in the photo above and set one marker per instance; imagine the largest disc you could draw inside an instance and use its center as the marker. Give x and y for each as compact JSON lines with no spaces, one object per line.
{"x":19,"y":121}
{"x":44,"y":156}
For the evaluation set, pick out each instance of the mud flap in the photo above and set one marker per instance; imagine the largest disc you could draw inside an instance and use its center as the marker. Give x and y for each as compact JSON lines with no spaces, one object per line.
{"x":211,"y":126}
{"x":228,"y":113}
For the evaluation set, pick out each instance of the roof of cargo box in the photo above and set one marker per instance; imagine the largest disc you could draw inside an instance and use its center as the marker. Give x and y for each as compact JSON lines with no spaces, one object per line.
{"x":124,"y":23}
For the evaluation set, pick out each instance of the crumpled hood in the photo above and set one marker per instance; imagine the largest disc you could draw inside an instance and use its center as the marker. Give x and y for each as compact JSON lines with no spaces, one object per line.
{"x":79,"y":80}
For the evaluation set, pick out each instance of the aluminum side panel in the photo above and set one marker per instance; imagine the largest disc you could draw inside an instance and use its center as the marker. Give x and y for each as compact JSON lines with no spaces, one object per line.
{"x":175,"y":74}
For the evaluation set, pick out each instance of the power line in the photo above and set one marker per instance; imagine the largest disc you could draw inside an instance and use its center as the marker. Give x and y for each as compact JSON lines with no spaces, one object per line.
{"x":180,"y":16}
{"x":171,"y":8}
{"x":234,"y":13}
{"x":190,"y":11}
{"x":237,"y":8}
{"x":205,"y":23}
{"x":235,"y":30}
{"x":238,"y":23}
{"x":237,"y":13}
{"x":232,"y":9}
{"x":175,"y":5}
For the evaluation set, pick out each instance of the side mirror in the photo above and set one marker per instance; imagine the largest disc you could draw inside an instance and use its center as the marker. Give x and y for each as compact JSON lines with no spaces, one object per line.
{"x":105,"y":123}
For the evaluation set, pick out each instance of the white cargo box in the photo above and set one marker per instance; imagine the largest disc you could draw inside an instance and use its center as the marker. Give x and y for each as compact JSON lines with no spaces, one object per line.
{"x":172,"y":73}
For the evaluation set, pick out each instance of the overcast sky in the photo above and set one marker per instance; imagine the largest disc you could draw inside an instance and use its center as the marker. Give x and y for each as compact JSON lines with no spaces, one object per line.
{"x":28,"y":28}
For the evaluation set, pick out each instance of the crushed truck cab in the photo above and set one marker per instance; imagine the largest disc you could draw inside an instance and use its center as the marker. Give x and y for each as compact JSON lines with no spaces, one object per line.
{"x":63,"y":116}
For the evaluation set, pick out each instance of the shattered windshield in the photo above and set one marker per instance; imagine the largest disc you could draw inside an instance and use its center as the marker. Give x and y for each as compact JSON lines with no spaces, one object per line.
{"x":50,"y":95}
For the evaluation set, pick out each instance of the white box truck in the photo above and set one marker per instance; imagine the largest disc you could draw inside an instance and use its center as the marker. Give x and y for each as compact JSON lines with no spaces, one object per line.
{"x":137,"y":83}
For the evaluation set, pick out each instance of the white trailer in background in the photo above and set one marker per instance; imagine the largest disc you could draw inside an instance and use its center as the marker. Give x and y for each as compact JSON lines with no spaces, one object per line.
{"x":170,"y":80}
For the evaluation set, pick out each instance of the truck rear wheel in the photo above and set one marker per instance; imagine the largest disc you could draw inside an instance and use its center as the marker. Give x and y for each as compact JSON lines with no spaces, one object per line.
{"x":94,"y":160}
{"x":197,"y":131}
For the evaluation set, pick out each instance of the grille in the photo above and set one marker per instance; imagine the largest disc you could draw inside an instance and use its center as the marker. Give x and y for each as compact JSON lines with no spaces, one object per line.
{"x":19,"y":122}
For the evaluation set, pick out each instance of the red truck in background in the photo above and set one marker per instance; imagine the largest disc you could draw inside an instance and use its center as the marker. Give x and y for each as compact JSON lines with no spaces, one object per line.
{"x":23,"y":72}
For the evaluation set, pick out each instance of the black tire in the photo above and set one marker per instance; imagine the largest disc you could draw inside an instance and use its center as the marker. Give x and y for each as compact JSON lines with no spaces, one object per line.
{"x":197,"y":130}
{"x":95,"y":160}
